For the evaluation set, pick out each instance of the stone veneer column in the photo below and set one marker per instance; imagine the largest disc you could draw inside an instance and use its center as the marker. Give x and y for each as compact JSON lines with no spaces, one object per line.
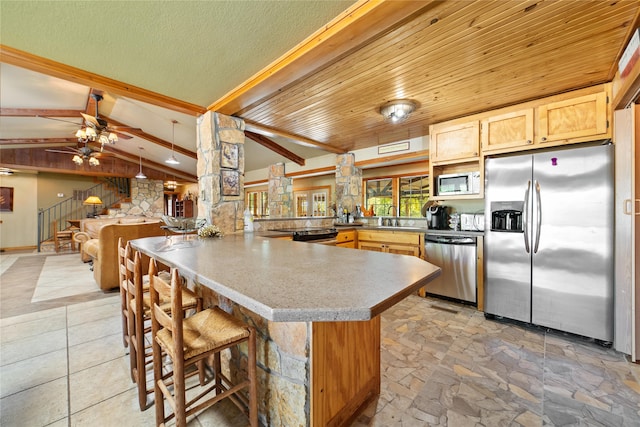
{"x":223,"y":211}
{"x":348,"y":182}
{"x":147,"y":198}
{"x":280,"y":192}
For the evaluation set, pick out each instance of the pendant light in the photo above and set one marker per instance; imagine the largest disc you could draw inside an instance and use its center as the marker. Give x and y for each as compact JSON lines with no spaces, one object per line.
{"x":140,"y":175}
{"x":172,"y":160}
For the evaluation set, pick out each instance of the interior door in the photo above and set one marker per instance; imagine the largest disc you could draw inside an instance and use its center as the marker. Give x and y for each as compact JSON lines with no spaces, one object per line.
{"x":625,"y":322}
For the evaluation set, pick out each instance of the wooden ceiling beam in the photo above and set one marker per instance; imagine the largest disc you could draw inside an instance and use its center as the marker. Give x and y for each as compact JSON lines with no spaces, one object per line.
{"x":296,"y":138}
{"x":33,"y":141}
{"x":118,"y":164}
{"x":267,"y":143}
{"x":150,"y":164}
{"x":363,"y":21}
{"x":38,"y":112}
{"x":56,"y":69}
{"x":91,"y":109}
{"x":147,"y":136}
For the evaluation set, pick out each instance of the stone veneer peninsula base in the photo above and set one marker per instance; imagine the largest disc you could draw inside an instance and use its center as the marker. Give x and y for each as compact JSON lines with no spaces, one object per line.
{"x":316,"y":309}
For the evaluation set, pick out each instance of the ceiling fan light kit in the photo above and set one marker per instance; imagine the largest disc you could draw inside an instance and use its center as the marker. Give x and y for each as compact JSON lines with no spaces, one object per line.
{"x":398,"y":111}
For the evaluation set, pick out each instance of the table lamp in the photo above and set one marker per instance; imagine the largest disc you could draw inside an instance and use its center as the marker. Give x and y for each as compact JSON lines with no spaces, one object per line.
{"x":93,"y":201}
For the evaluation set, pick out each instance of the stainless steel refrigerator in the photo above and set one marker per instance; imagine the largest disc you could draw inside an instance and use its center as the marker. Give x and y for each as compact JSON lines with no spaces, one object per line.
{"x":549,"y":239}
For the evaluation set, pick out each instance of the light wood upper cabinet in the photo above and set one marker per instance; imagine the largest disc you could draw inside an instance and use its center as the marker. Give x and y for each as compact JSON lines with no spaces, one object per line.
{"x":509,"y":130}
{"x":454,"y":141}
{"x":584,"y":116}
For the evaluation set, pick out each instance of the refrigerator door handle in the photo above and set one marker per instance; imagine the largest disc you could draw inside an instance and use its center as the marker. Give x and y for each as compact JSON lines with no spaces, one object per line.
{"x":539,"y":219}
{"x":525,"y":217}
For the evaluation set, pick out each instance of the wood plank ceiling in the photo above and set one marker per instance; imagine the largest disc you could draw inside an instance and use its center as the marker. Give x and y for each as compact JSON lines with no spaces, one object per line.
{"x":455,"y":58}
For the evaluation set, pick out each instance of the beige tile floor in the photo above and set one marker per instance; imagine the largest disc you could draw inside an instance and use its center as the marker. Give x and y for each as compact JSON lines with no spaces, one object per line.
{"x":62,"y":363}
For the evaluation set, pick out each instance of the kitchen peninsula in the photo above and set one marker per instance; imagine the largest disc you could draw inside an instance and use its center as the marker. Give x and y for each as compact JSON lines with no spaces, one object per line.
{"x":316,"y":308}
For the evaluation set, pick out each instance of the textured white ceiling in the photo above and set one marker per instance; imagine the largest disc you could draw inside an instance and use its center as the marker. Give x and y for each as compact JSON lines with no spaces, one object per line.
{"x":195,"y":51}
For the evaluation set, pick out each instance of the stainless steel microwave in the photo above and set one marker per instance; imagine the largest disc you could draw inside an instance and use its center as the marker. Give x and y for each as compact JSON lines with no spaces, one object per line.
{"x":458,"y":183}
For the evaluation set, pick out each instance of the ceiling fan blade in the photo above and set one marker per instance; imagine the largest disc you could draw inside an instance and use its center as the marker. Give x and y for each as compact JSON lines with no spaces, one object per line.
{"x":120,"y":134}
{"x":123,"y":128}
{"x":61,"y":151}
{"x":92,"y":121}
{"x":58,"y":120}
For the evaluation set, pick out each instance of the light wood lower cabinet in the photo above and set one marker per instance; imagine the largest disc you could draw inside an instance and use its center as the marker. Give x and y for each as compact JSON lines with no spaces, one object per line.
{"x":346,"y":239}
{"x":393,"y":242}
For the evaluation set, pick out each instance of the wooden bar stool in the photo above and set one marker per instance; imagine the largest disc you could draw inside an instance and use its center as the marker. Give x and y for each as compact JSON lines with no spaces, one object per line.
{"x":122,"y":279}
{"x":139,"y":316}
{"x":190,"y":342}
{"x":62,"y":238}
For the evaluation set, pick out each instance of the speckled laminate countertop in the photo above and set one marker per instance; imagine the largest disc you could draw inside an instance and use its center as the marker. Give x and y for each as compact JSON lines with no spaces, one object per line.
{"x":287,"y":281}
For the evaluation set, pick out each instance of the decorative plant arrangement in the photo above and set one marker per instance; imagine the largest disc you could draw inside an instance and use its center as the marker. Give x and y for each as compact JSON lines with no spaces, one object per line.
{"x":210,"y":231}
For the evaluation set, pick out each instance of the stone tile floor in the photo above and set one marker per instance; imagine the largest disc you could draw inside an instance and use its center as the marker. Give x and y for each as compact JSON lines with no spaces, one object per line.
{"x":62,"y":363}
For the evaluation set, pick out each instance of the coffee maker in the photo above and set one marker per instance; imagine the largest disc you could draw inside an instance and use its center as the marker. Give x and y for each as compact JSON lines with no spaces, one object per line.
{"x":437,"y":217}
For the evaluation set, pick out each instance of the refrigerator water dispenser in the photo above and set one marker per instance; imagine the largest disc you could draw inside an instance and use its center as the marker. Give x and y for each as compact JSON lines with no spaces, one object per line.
{"x":507,"y":216}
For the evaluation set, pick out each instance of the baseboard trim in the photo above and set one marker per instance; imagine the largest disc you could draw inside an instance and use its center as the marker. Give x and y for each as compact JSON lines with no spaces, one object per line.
{"x":18,"y":248}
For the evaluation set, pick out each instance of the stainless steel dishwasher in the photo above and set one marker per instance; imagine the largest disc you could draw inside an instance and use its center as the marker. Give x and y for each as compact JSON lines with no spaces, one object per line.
{"x":456,"y":256}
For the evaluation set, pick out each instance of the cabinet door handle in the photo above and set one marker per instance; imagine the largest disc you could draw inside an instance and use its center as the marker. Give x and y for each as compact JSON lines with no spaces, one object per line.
{"x":529,"y":141}
{"x":544,"y":138}
{"x":626,"y":207}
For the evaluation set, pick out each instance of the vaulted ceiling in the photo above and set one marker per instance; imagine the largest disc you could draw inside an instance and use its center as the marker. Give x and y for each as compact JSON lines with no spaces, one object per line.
{"x":307,"y":77}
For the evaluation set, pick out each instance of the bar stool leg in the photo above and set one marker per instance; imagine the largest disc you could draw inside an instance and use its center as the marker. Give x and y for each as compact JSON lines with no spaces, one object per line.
{"x":253,"y":387}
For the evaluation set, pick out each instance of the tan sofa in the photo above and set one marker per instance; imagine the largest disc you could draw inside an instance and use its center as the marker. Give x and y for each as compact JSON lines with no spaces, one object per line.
{"x":99,"y":242}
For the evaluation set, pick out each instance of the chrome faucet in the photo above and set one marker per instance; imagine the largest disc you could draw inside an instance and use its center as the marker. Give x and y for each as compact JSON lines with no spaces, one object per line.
{"x":392,"y":206}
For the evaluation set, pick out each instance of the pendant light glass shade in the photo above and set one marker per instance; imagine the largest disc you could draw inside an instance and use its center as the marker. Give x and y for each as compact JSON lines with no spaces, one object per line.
{"x":172,"y":160}
{"x":140,"y":175}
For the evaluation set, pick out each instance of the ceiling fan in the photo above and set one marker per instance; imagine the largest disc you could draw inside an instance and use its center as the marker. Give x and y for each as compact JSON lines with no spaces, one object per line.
{"x":96,"y":128}
{"x":100,"y":126}
{"x":81,"y":154}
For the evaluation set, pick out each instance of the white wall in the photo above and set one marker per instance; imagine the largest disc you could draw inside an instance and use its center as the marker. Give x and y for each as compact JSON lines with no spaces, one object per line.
{"x":19,"y":228}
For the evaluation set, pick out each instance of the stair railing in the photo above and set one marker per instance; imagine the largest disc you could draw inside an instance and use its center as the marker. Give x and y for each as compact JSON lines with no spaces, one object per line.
{"x":73,"y":209}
